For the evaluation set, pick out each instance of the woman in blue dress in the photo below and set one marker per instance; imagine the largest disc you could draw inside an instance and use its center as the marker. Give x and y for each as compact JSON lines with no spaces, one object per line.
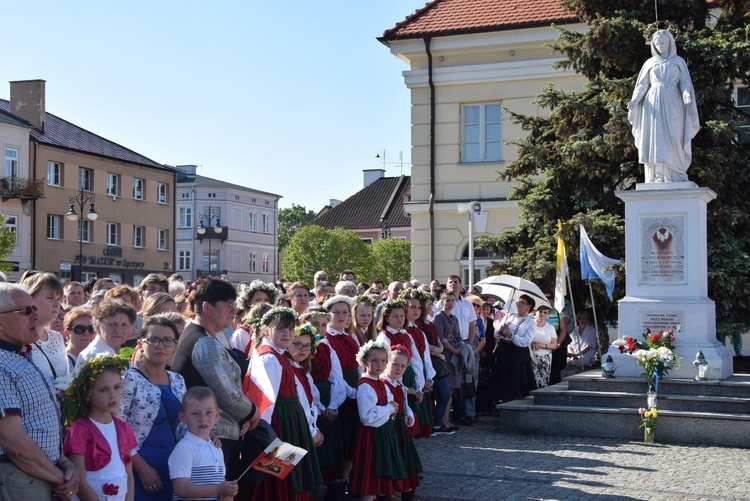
{"x":150,"y":404}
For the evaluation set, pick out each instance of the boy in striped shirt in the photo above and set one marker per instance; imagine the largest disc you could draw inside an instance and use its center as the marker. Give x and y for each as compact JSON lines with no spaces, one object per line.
{"x":196,"y":466}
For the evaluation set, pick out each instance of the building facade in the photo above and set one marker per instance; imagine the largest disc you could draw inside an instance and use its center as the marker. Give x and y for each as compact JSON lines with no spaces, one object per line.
{"x":225,"y":229}
{"x":107,"y":211}
{"x":469,"y":61}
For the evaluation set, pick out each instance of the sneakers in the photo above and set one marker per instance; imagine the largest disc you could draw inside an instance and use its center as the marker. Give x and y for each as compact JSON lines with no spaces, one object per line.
{"x":442,"y":431}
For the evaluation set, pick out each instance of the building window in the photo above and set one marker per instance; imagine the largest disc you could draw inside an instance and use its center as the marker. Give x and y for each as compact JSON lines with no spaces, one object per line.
{"x":366,"y":240}
{"x":186,"y":217}
{"x":266,"y":223}
{"x":54,"y":174}
{"x":266,"y":263}
{"x":161,"y":239}
{"x":253,"y":225}
{"x":184,"y":260}
{"x":113,"y":185}
{"x":742,"y":102}
{"x":211,"y":261}
{"x":54,"y":229}
{"x":11,"y":162}
{"x":113,"y":234}
{"x":139,"y":189}
{"x":482,"y":139}
{"x":11,"y":223}
{"x":253,"y":265}
{"x":85,"y":228}
{"x":139,"y":236}
{"x":161,"y":193}
{"x":86,"y":179}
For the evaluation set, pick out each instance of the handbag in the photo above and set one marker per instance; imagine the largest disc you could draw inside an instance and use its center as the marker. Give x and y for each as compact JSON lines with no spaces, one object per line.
{"x":468,"y":390}
{"x":442,"y":369}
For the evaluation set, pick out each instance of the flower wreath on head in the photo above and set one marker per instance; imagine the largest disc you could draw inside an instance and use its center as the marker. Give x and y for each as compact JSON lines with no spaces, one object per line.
{"x":338,"y":299}
{"x":77,"y":394}
{"x":246,"y":293}
{"x":372,"y":345}
{"x":405,"y":349}
{"x":277,"y":311}
{"x":418,"y":294}
{"x":364,"y":299}
{"x":308,"y":330}
{"x":393,"y":305}
{"x":308,"y":314}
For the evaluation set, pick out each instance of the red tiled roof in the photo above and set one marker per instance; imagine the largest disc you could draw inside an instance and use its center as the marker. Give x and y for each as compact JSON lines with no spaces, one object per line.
{"x":363,"y":210}
{"x":461,"y":16}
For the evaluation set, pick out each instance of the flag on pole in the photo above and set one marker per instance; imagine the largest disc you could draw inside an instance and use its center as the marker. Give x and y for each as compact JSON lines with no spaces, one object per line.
{"x":562,"y":271}
{"x":594,"y":262}
{"x":257,"y":385}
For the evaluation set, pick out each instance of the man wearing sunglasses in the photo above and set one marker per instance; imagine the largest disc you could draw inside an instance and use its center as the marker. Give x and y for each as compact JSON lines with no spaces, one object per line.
{"x":33,"y":459}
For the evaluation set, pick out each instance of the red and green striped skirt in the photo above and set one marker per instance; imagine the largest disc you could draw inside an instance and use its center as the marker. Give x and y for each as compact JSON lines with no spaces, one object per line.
{"x":409,"y":454}
{"x":349,"y":416}
{"x":378,"y":463}
{"x":331,"y":452}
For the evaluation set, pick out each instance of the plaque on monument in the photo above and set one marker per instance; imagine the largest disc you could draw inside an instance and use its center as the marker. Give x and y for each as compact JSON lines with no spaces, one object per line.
{"x":662,"y":241}
{"x":657,"y":321}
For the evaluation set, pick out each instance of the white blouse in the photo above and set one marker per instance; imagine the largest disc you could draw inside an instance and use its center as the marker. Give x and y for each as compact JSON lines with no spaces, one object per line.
{"x":52,"y":359}
{"x":370,"y":413}
{"x":415,"y":360}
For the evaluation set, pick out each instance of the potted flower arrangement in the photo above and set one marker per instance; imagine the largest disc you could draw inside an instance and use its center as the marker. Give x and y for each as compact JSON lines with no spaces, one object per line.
{"x":648,"y":423}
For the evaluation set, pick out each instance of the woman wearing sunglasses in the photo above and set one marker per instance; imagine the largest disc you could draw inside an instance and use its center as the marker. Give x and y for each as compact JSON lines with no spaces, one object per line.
{"x":78,"y":327}
{"x":150,"y":404}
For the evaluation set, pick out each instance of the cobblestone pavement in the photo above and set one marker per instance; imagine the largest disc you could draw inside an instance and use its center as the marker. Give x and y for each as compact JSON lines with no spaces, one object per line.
{"x":481,"y":463}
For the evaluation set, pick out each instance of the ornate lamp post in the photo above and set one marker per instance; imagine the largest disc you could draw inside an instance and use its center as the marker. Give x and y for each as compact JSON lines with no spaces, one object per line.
{"x":211,"y":230}
{"x":80,"y":201}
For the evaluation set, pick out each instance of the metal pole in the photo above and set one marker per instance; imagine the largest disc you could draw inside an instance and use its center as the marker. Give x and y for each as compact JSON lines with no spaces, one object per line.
{"x":471,"y":249}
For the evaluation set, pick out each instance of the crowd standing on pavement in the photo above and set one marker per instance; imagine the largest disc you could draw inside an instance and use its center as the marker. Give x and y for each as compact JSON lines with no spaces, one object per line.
{"x":171,"y":390}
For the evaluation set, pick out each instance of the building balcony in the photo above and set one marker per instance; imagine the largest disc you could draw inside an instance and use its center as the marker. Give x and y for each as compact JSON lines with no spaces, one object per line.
{"x":18,"y":187}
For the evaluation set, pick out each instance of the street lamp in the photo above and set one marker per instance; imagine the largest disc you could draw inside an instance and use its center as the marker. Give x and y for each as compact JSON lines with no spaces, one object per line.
{"x":80,"y":201}
{"x":474,"y":209}
{"x":216,"y":231}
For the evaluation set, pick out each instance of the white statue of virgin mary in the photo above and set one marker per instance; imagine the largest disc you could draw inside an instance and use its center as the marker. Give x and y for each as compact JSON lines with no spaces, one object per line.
{"x":663,"y":113}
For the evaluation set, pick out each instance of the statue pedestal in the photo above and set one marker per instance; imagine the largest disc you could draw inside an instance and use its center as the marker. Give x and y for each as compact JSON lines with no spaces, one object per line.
{"x":667,"y":280}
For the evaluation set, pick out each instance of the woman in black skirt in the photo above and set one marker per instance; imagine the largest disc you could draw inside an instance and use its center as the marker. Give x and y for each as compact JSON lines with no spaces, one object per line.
{"x":512,"y":374}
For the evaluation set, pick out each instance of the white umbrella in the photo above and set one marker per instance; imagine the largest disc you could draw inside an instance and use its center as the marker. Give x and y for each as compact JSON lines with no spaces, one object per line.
{"x":509,"y":288}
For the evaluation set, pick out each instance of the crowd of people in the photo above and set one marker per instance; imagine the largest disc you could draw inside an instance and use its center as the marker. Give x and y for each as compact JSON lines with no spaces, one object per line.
{"x":172,"y":389}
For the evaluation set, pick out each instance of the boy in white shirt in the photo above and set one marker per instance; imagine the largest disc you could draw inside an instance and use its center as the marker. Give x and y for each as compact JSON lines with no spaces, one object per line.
{"x":196,"y":466}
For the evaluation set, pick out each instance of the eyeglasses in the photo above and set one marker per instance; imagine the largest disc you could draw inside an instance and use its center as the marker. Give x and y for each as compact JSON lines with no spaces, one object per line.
{"x":82,"y":329}
{"x":156,"y":341}
{"x":520,"y":303}
{"x":302,"y":347}
{"x":26,"y":310}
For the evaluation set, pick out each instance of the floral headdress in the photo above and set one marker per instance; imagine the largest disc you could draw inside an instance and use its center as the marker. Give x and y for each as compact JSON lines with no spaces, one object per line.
{"x":401,"y":347}
{"x":256,"y":285}
{"x":364,"y":299}
{"x":415,"y":293}
{"x":76,"y":396}
{"x":393,"y":305}
{"x":277,"y":311}
{"x":307,"y":315}
{"x":372,"y":345}
{"x":308,"y":330}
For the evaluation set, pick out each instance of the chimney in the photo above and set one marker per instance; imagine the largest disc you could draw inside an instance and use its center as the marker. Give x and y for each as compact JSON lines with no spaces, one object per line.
{"x":27,"y":101}
{"x":372,"y":175}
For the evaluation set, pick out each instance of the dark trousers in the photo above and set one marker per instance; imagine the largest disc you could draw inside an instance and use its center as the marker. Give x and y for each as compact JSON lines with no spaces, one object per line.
{"x":442,"y":394}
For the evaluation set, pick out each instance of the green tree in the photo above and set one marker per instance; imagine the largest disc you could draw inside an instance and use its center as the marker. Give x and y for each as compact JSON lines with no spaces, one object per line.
{"x":391,"y":260}
{"x":314,"y":248}
{"x":7,"y":243}
{"x":571,"y":162}
{"x":290,"y":219}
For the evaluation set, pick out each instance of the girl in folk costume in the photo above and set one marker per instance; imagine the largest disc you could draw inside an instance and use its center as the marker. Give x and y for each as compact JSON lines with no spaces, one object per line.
{"x":345,"y":347}
{"x":392,"y":331}
{"x":362,"y":314}
{"x":415,"y":306}
{"x":272,"y":383}
{"x":97,"y":442}
{"x":379,"y":462}
{"x":397,"y":364}
{"x":329,"y":381}
{"x":257,"y":292}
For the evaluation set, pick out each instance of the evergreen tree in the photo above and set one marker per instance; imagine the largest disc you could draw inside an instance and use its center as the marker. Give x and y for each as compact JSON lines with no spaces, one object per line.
{"x":573,"y":161}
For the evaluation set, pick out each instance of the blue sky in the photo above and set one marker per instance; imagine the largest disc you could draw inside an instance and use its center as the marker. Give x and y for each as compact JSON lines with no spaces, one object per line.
{"x":303,"y":88}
